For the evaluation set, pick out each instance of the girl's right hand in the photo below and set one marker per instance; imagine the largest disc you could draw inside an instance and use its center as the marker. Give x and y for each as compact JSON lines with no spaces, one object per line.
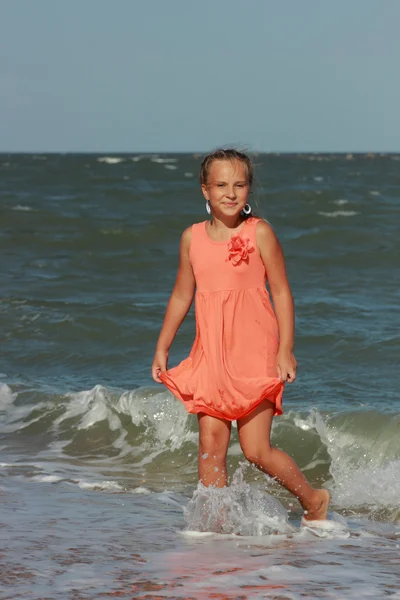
{"x":159,"y":364}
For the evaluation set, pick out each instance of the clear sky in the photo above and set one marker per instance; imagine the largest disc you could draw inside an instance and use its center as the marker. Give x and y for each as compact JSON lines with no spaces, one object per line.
{"x":187,"y":75}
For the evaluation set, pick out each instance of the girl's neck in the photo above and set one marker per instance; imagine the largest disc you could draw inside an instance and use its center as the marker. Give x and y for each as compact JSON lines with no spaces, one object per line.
{"x":219,"y":224}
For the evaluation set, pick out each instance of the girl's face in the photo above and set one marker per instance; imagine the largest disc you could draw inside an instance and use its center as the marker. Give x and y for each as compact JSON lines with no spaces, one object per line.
{"x":227,"y":187}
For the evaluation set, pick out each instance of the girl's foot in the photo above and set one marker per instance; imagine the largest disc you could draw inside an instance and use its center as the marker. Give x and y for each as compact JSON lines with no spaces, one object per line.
{"x":319,"y":509}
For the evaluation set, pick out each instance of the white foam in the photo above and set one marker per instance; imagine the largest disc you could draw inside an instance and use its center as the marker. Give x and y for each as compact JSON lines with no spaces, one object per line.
{"x":162,"y":161}
{"x":341,"y":201}
{"x":187,"y":174}
{"x":338,"y":213}
{"x":374,"y":193}
{"x":365,"y":472}
{"x":140,"y":490}
{"x":238,"y":509}
{"x":7,"y":397}
{"x":327,"y":528}
{"x":110,"y":160}
{"x":170,"y":167}
{"x":166,"y":419}
{"x":196,"y":534}
{"x":93,"y":405}
{"x":110,"y":486}
{"x":318,"y":178}
{"x":47,"y":478}
{"x":22,"y":208}
{"x":366,"y":485}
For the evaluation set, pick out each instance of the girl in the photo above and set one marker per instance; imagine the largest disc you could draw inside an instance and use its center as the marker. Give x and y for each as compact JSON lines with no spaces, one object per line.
{"x":243,"y":351}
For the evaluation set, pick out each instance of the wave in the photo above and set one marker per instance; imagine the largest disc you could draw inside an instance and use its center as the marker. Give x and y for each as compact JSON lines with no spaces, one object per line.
{"x":338,"y":213}
{"x":110,"y":160}
{"x":145,"y":437}
{"x":22,"y":207}
{"x":158,"y":159}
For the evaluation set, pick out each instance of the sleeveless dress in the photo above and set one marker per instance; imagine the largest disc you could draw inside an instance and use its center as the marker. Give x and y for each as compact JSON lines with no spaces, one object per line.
{"x":231,"y":367}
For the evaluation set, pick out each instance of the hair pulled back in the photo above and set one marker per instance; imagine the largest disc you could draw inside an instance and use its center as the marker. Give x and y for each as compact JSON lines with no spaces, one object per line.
{"x":225,"y":154}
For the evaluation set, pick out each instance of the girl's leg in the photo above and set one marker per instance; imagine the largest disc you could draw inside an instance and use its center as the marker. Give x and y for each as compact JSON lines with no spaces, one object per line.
{"x":254,"y":436}
{"x":214,"y":435}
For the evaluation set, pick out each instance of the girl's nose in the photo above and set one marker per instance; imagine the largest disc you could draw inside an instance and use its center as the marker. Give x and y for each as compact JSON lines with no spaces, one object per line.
{"x":231,"y":193}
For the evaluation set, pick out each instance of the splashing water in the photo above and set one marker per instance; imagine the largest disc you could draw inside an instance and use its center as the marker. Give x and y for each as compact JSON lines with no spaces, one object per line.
{"x":239,"y":509}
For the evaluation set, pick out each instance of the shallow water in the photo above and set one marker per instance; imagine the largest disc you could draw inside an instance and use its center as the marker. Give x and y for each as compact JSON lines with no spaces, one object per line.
{"x":98,"y":475}
{"x":73,"y":543}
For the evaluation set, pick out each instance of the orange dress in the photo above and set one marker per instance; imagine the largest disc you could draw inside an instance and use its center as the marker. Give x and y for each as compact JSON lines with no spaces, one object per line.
{"x":231,"y":367}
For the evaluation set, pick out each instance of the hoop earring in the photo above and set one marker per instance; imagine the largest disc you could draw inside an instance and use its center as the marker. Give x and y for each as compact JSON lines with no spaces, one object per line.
{"x":246,"y":210}
{"x":208,"y":207}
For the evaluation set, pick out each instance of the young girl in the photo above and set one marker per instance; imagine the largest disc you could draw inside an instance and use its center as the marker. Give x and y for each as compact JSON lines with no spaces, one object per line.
{"x":243,"y":351}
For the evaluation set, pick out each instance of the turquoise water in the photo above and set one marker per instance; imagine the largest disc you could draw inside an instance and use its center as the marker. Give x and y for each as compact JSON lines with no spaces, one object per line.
{"x":98,"y":468}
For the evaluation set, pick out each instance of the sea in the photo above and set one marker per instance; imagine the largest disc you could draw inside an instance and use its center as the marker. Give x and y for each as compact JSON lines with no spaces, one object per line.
{"x":98,"y":463}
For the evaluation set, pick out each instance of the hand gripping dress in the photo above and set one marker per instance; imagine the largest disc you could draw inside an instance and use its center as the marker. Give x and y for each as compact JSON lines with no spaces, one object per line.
{"x":231,"y":367}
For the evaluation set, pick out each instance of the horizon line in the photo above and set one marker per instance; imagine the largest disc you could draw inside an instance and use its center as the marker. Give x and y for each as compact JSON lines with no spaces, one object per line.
{"x":201,"y":152}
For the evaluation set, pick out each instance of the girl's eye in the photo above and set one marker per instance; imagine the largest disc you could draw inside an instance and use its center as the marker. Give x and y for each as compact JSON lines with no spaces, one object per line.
{"x":240,"y":185}
{"x":220,"y":184}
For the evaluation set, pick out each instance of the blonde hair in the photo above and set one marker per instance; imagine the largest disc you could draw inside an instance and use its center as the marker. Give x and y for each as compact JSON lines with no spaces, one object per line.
{"x":225,"y":154}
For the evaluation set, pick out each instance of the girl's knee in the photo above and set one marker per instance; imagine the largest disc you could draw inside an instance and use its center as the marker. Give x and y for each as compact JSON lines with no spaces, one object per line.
{"x":256,"y":455}
{"x":210,"y":447}
{"x":214,"y":435}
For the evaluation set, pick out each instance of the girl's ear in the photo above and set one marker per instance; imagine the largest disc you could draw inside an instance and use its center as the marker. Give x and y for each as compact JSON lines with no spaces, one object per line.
{"x":205,"y":191}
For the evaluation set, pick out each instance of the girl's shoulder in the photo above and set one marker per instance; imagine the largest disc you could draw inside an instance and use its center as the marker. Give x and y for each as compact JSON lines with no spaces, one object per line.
{"x":260,"y":226}
{"x":265,"y":234}
{"x":194,"y":229}
{"x":263,"y":225}
{"x":197,"y":226}
{"x":192,"y":232}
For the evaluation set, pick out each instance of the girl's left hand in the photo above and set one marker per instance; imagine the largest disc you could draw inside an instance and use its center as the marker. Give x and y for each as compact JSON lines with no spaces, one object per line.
{"x":286,"y":366}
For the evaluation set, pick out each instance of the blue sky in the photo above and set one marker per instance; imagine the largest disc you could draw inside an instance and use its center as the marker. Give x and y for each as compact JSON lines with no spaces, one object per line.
{"x":185,"y":75}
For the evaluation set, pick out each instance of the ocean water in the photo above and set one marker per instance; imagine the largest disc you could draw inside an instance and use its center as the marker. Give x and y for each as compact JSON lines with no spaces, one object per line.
{"x":98,"y":474}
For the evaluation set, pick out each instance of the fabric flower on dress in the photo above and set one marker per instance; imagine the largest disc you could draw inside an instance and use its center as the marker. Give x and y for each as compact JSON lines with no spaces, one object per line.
{"x":239,"y":249}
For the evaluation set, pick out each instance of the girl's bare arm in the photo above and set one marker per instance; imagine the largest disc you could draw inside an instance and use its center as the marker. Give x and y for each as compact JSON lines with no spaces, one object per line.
{"x":272,"y":256}
{"x":177,"y":307}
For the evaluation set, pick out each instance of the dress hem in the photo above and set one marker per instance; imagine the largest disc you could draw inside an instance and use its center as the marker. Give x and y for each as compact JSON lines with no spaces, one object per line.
{"x":275,"y":397}
{"x":277,"y":413}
